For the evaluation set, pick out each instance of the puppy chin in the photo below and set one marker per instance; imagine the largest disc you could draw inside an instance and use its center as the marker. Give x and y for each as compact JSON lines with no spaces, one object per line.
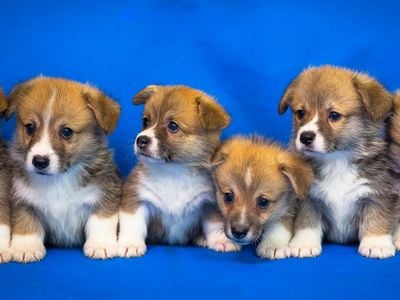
{"x":148,"y":157}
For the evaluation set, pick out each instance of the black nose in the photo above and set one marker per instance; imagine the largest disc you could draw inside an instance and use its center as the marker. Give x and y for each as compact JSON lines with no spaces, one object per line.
{"x":239,"y":232}
{"x":40,"y":162}
{"x":307,"y":137}
{"x":143,"y":141}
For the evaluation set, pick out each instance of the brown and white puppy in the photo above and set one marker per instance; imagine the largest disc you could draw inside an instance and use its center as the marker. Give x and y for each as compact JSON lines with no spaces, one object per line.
{"x":66,"y":188}
{"x":169,"y":197}
{"x":338,"y":124}
{"x":5,"y":184}
{"x":394,"y":142}
{"x":258,"y":184}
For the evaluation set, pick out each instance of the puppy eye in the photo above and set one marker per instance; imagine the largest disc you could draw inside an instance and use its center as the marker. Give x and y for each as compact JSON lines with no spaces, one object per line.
{"x":66,"y":133}
{"x":334,"y":116}
{"x":146,"y":122}
{"x":300,"y":113}
{"x":262,"y":202}
{"x":173,"y":127}
{"x":229,"y":197}
{"x":30,"y":129}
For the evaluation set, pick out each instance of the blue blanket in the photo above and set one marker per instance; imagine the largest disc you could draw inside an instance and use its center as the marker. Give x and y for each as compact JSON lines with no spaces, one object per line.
{"x":242,"y":52}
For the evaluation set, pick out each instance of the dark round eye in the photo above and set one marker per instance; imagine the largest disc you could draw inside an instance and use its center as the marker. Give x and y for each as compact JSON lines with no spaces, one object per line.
{"x":300,"y":113}
{"x":229,"y":197}
{"x":262,"y":202}
{"x":66,"y":133}
{"x":30,"y":129}
{"x":334,"y":116}
{"x":146,"y":122}
{"x":173,"y":127}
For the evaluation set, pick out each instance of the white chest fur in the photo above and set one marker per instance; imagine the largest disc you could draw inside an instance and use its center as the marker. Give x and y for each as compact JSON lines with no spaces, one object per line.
{"x":176,"y":192}
{"x":63,"y":204}
{"x":340,"y":189}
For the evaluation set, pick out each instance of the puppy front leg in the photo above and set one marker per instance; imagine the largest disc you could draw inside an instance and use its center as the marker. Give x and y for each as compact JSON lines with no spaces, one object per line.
{"x":133,"y":226}
{"x":307,"y":239}
{"x":27,"y":235}
{"x":101,"y":236}
{"x":213,"y":230}
{"x":275,"y":240}
{"x":375,"y":232}
{"x":5,"y":229}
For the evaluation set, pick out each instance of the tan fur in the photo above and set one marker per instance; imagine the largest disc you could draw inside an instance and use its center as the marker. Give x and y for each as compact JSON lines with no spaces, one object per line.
{"x":274,"y":174}
{"x":90,"y":114}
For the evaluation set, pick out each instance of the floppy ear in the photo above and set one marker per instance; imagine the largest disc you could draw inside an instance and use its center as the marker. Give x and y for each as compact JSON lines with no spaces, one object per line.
{"x":287,"y":97}
{"x":105,"y":109}
{"x":298,"y":172}
{"x":212,"y":115}
{"x":377,"y":100}
{"x":218,"y":158}
{"x":3,"y":103}
{"x":144,"y":95}
{"x":15,"y":97}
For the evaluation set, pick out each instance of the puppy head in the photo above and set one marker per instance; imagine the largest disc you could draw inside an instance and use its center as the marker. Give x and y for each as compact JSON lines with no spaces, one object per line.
{"x":334,"y":109}
{"x":256,"y":183}
{"x":60,"y":123}
{"x":180,"y":124}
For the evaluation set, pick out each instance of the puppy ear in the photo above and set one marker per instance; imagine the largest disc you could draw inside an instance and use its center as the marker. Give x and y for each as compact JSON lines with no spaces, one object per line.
{"x":298,"y":172}
{"x":144,"y":95}
{"x":105,"y":109}
{"x":218,"y":158}
{"x":212,"y":115}
{"x":15,"y":97}
{"x":287,"y":97}
{"x":376,"y":99}
{"x":3,"y":104}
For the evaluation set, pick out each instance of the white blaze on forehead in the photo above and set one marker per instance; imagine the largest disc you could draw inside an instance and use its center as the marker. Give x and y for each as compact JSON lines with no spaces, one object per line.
{"x":312,"y":126}
{"x":43,"y":147}
{"x":152,"y":149}
{"x":248,"y":177}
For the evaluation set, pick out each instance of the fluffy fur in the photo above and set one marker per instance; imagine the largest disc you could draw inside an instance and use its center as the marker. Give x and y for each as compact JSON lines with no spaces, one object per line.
{"x":169,"y":197}
{"x":5,"y":183}
{"x":258,"y":184}
{"x":66,"y":189}
{"x":338,"y":121}
{"x":394,"y":142}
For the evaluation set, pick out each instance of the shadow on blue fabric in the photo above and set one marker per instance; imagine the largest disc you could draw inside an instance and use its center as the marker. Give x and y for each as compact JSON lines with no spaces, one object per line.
{"x":242,"y":52}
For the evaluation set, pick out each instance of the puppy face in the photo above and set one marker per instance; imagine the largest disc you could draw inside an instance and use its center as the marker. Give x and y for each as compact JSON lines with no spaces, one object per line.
{"x":180,"y":124}
{"x":333,"y":107}
{"x":60,"y":123}
{"x":256,"y":182}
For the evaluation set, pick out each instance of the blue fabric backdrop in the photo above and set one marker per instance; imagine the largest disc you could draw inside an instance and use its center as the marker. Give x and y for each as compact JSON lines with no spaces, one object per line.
{"x":242,"y":52}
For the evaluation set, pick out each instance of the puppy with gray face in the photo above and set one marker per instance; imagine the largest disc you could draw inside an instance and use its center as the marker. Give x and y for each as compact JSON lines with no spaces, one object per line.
{"x":258,"y":186}
{"x":169,"y":197}
{"x":66,"y":188}
{"x":5,"y":184}
{"x":338,"y":123}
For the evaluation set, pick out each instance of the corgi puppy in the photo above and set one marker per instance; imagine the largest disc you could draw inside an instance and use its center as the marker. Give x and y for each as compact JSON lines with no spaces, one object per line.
{"x":258,"y":184}
{"x":338,"y":124}
{"x":5,"y":183}
{"x":394,"y":142}
{"x":66,"y":188}
{"x":169,"y":197}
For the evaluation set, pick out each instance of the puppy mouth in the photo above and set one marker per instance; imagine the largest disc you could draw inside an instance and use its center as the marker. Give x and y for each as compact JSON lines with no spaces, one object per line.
{"x":42,"y":173}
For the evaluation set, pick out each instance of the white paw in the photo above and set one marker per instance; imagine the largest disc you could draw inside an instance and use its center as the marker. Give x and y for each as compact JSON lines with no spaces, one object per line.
{"x":219,"y":242}
{"x":98,"y":250}
{"x":377,"y":247}
{"x":127,"y":250}
{"x":271,"y":252}
{"x":27,"y":248}
{"x":5,"y":255}
{"x":305,"y":249}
